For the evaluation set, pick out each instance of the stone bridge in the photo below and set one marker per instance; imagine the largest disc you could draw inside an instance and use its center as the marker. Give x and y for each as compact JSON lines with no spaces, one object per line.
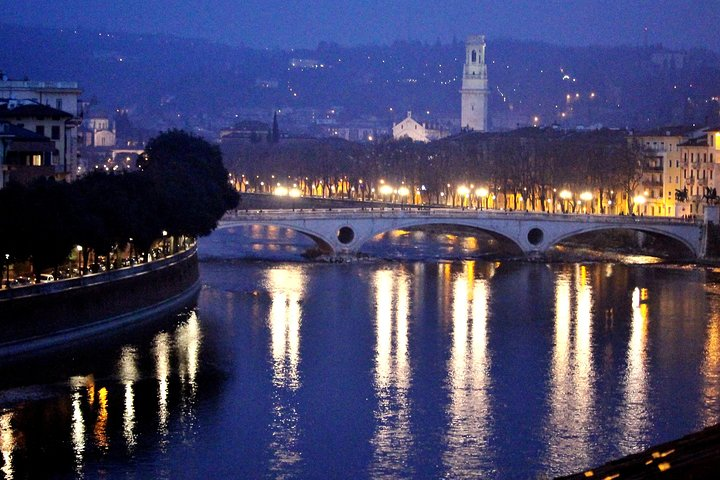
{"x":343,"y":232}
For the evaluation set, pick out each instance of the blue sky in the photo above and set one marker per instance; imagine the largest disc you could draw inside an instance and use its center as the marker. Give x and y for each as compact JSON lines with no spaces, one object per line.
{"x":288,"y":23}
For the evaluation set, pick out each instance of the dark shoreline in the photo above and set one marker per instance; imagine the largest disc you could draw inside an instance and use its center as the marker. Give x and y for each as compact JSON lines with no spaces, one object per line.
{"x":57,"y":314}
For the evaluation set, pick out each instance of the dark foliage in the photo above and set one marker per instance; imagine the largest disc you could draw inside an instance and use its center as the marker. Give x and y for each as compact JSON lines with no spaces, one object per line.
{"x":182,"y":189}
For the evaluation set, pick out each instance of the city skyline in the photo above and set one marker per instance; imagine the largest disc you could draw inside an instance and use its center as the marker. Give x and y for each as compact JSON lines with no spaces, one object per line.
{"x":273,"y":23}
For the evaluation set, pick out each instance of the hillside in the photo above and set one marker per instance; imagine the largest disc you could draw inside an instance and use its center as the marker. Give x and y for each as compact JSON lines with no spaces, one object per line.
{"x":166,"y":81}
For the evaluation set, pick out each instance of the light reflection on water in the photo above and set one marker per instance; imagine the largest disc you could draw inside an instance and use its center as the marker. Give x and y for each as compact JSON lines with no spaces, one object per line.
{"x":238,"y":388}
{"x":572,"y":396}
{"x":468,"y":452}
{"x":393,"y":440}
{"x":286,"y":289}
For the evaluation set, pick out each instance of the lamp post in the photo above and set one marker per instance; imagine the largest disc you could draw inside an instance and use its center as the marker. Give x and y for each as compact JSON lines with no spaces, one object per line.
{"x":79,"y":254}
{"x":464,"y":193}
{"x":403,"y":192}
{"x":587,"y":198}
{"x":482,"y":193}
{"x":565,"y":195}
{"x":164,"y":234}
{"x":7,"y":268}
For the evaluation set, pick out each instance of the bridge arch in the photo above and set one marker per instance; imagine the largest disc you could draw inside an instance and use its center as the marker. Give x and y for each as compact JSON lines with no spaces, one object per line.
{"x":420,"y":223}
{"x":324,"y":245}
{"x":691,"y":249}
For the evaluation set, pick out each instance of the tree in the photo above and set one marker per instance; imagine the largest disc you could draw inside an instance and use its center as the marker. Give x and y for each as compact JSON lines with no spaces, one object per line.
{"x":190,"y":180}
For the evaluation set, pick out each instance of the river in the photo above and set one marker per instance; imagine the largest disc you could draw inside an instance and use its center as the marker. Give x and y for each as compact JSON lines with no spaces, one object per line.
{"x":435,"y":364}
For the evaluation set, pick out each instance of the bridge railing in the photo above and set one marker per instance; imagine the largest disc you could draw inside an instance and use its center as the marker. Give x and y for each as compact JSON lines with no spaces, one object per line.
{"x":454,"y":213}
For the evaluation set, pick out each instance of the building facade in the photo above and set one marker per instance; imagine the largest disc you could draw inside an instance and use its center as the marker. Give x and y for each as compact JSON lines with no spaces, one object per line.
{"x":51,"y":123}
{"x":474,"y":92}
{"x":416,"y":131}
{"x":62,"y":96}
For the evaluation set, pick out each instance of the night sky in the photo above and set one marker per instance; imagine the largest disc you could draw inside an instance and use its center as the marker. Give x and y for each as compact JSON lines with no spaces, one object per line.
{"x":288,"y":23}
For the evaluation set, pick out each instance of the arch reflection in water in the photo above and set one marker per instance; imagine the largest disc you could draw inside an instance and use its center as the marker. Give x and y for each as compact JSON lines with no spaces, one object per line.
{"x":392,"y":440}
{"x":467,"y":441}
{"x":286,"y":287}
{"x":572,"y":391}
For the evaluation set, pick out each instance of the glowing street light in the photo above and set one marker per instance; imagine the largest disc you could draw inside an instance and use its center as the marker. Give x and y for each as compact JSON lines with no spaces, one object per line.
{"x":482,"y":193}
{"x":281,"y":191}
{"x":386,"y":189}
{"x":294,"y":192}
{"x":639,"y":201}
{"x":565,"y":195}
{"x":403,"y":192}
{"x":79,"y":254}
{"x":586,"y":196}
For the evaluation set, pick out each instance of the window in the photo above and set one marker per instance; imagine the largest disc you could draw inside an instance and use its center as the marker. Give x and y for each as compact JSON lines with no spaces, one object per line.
{"x":58,"y":103}
{"x":40,"y":129}
{"x":474,"y":56}
{"x":37,"y":160}
{"x":55,"y":132}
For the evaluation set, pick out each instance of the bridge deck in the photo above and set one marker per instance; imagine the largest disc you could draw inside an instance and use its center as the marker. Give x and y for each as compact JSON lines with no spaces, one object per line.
{"x":243,"y":215}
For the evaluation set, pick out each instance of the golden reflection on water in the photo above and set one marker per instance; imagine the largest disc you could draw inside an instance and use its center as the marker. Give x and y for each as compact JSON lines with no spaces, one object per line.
{"x":128,"y":376}
{"x":392,"y":440}
{"x":469,"y":428}
{"x":188,"y":340}
{"x":77,"y":428}
{"x":7,"y":445}
{"x":286,"y":286}
{"x":161,"y":352}
{"x":634,"y":417}
{"x":100,"y":430}
{"x":711,"y":366}
{"x":572,"y":394}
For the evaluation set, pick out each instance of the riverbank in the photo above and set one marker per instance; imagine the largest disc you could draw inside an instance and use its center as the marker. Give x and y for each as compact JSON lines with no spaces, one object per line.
{"x":55,"y":314}
{"x":693,"y":456}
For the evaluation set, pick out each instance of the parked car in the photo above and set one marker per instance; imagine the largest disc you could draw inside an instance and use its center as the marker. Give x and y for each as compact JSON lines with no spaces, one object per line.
{"x":46,"y":277}
{"x":24,"y":280}
{"x":13,"y":282}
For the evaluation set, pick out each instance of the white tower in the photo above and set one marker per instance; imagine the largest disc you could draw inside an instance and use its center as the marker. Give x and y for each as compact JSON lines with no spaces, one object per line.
{"x":475,"y":86}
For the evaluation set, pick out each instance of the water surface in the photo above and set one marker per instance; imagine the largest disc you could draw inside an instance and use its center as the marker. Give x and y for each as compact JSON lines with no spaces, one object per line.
{"x":379,"y":369}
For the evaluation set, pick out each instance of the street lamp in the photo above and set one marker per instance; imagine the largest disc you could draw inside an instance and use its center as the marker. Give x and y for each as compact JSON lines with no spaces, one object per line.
{"x":639,"y":200}
{"x":482,"y":193}
{"x":385,"y":190}
{"x":79,"y":254}
{"x":565,"y":195}
{"x":587,"y":198}
{"x":164,"y":234}
{"x":463,"y":191}
{"x":7,"y":267}
{"x":403,"y":192}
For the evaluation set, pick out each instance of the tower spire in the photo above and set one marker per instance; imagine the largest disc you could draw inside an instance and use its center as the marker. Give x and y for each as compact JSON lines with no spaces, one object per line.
{"x":474,"y":92}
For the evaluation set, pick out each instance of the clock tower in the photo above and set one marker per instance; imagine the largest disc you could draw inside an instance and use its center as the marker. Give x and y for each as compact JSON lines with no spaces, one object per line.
{"x":474,"y":114}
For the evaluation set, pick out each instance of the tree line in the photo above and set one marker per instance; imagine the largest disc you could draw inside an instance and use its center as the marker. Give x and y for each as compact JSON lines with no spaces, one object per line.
{"x":180,"y":188}
{"x":531,"y":163}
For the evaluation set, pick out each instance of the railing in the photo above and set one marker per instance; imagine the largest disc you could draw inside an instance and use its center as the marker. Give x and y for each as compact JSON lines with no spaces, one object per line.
{"x":89,"y":279}
{"x":420,"y":212}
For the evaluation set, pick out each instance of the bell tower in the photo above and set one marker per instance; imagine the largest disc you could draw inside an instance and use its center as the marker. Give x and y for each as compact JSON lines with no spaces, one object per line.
{"x":474,"y":114}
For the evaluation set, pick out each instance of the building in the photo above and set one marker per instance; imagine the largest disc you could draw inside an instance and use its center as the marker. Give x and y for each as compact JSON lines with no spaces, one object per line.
{"x":412,"y":129}
{"x":56,"y":125}
{"x":24,"y":155}
{"x":474,"y":92}
{"x":247,"y":131}
{"x":701,"y":167}
{"x":62,"y":96}
{"x":98,"y":132}
{"x":663,"y":172}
